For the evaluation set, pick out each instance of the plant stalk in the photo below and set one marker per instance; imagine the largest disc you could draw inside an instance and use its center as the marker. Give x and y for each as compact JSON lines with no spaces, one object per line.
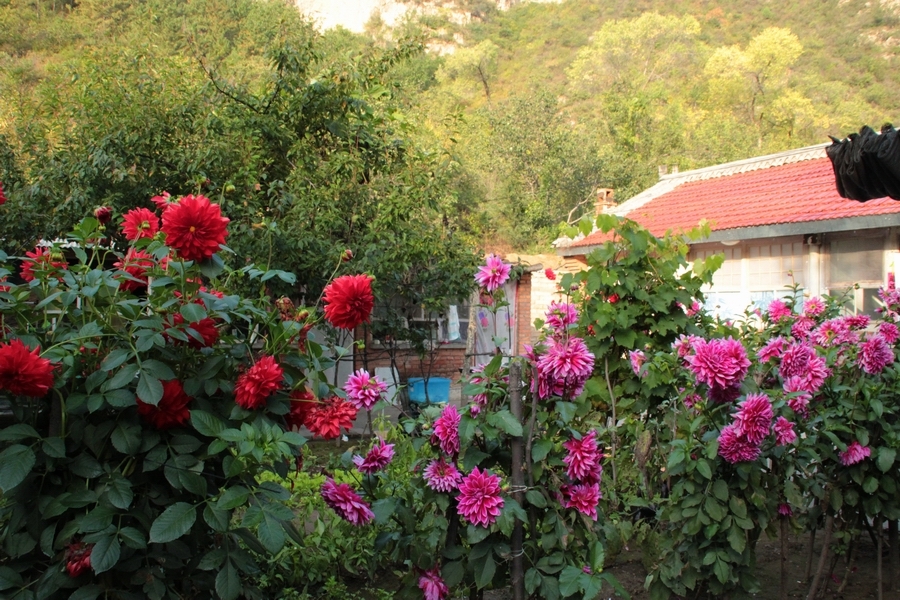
{"x":517,"y":478}
{"x":823,"y":556}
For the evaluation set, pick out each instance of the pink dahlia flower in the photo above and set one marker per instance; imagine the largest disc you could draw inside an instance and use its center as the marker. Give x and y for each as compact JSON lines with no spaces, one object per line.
{"x":802,"y":327}
{"x":736,"y":448}
{"x":377,"y":458}
{"x":479,"y":500}
{"x":346,"y":502}
{"x":442,"y":476}
{"x":833,"y":333}
{"x":778,"y":310}
{"x":692,"y":400}
{"x":364,"y":390}
{"x":564,"y":368}
{"x":560,"y":315}
{"x":772,"y":349}
{"x":784,"y":432}
{"x":799,"y":404}
{"x":719,"y":362}
{"x":432,"y":584}
{"x":854,"y":454}
{"x":813,"y":307}
{"x":493,"y":273}
{"x":637,"y":358}
{"x":583,"y":459}
{"x":754,"y":418}
{"x":874,"y":355}
{"x":801,"y":361}
{"x":684,"y":345}
{"x":584,"y":498}
{"x":857,"y":321}
{"x":889,"y":332}
{"x":446,"y":431}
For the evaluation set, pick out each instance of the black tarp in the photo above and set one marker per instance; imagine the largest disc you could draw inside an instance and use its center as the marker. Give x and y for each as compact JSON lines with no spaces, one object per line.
{"x":867,"y":164}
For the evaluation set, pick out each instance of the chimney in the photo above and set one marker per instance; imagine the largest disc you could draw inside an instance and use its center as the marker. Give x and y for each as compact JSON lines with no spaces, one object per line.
{"x":662,"y":170}
{"x":604,"y":200}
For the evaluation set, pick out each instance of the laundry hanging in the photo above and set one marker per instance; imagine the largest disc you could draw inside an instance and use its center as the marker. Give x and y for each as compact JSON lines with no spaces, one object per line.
{"x":867,"y":164}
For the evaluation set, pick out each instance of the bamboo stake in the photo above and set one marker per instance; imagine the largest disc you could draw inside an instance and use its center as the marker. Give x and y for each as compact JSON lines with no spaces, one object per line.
{"x":517,"y":477}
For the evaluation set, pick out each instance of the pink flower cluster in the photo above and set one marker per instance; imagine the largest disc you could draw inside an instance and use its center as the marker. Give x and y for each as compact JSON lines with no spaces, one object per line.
{"x":446,"y":431}
{"x":637,"y":358}
{"x":741,"y":441}
{"x":432,"y":584}
{"x":364,"y":390}
{"x":442,"y":476}
{"x":563,"y":368}
{"x":492,"y":274}
{"x":376,"y":459}
{"x":346,"y":502}
{"x":560,"y":315}
{"x":854,"y":453}
{"x":584,"y":470}
{"x":778,"y":310}
{"x":721,"y":364}
{"x":874,"y":355}
{"x":479,"y":500}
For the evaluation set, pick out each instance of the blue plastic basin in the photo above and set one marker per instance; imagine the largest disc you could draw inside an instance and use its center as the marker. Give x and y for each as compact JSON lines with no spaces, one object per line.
{"x":438,"y":390}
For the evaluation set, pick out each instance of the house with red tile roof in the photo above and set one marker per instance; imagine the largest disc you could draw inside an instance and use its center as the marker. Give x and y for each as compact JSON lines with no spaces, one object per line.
{"x":779,"y":221}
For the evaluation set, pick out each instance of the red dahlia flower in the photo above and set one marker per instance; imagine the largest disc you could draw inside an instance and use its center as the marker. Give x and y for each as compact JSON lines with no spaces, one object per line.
{"x":39,"y":259}
{"x":78,"y":558}
{"x":302,"y":403}
{"x":172,"y":409}
{"x":195,"y":227}
{"x":163,"y":202}
{"x":22,"y":371}
{"x":349,"y":301}
{"x":139,"y":223}
{"x":328,"y":418}
{"x":205,"y":329}
{"x":135,"y":263}
{"x":259,"y":382}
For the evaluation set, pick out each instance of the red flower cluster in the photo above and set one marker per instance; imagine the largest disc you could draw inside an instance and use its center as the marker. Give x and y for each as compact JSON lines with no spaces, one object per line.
{"x":139,"y":223}
{"x":78,"y":558}
{"x":172,"y":409}
{"x":194,"y":227}
{"x":302,"y":403}
{"x":135,"y":263}
{"x":2,"y":195}
{"x":163,"y":202}
{"x":328,"y":418}
{"x":349,"y":301}
{"x":24,"y":372}
{"x":204,"y":328}
{"x":39,"y":259}
{"x":259,"y":382}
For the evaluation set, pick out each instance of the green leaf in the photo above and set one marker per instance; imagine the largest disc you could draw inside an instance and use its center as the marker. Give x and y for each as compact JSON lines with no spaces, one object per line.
{"x":568,"y":581}
{"x":886,"y":457}
{"x":271,"y":533}
{"x":193,"y":312}
{"x":720,"y":490}
{"x":206,"y":423}
{"x":473,"y":458}
{"x":233,"y":497}
{"x":158,"y":369}
{"x":484,"y":571}
{"x":541,"y":449}
{"x":383,"y":509}
{"x":16,"y":463}
{"x":721,"y":570}
{"x":566,"y":411}
{"x":54,"y":447}
{"x":219,"y":520}
{"x":870,"y":485}
{"x":119,"y":493}
{"x":704,"y":469}
{"x":123,"y":377}
{"x":133,"y":538}
{"x":532,"y":580}
{"x":453,"y":573}
{"x":506,"y":422}
{"x":475,"y":534}
{"x":228,"y":584}
{"x":126,"y":438}
{"x":714,"y":509}
{"x":106,"y":553}
{"x":536,"y":498}
{"x":676,"y":458}
{"x":149,"y":389}
{"x":737,"y":538}
{"x":87,"y":592}
{"x":173,"y":523}
{"x":9,"y":578}
{"x":17,"y":432}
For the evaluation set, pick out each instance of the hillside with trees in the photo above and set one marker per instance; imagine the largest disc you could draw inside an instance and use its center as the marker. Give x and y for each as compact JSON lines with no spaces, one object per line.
{"x":504,"y":128}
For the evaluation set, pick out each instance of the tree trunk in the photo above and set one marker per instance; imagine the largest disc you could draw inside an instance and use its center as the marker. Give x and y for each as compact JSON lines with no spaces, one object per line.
{"x":823,"y":556}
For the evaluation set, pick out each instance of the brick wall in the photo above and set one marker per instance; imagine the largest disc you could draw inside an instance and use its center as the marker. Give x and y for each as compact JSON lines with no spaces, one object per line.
{"x":525,"y":332}
{"x":449,"y":360}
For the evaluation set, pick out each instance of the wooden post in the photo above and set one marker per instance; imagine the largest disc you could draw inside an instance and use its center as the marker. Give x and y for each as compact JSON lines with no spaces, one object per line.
{"x":893,"y":556}
{"x":785,"y":528}
{"x":517,"y":477}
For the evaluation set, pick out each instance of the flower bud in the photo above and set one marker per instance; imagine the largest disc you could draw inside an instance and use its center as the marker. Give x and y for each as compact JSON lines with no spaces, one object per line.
{"x":347,"y":256}
{"x":103,"y":214}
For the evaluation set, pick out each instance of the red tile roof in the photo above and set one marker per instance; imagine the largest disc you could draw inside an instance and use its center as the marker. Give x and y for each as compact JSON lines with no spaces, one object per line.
{"x":797,"y":192}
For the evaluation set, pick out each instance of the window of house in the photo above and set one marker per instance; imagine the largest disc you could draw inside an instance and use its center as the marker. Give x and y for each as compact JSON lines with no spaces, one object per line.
{"x":420,"y":325}
{"x":853,"y":261}
{"x":773,"y":269}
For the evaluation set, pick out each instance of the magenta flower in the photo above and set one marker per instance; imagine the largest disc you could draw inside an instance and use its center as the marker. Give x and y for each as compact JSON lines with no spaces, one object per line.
{"x":493,"y":273}
{"x":719,"y":362}
{"x":799,"y":404}
{"x":813,"y":307}
{"x":692,"y":400}
{"x":584,"y":498}
{"x":784,"y":432}
{"x":583,"y":459}
{"x":889,"y":332}
{"x":857,"y":321}
{"x":684,"y":345}
{"x":736,"y":448}
{"x":446,"y":431}
{"x":778,"y":310}
{"x":726,"y":395}
{"x":560,"y":315}
{"x":801,"y":361}
{"x":854,"y":454}
{"x":874,"y":355}
{"x":772,"y":349}
{"x":432,"y":584}
{"x":346,"y":502}
{"x":442,"y":476}
{"x":564,"y":368}
{"x":377,"y":458}
{"x":637,"y":358}
{"x":754,"y":418}
{"x":785,"y":510}
{"x":833,"y":332}
{"x":364,"y":390}
{"x":802,"y":327}
{"x":479,"y":500}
